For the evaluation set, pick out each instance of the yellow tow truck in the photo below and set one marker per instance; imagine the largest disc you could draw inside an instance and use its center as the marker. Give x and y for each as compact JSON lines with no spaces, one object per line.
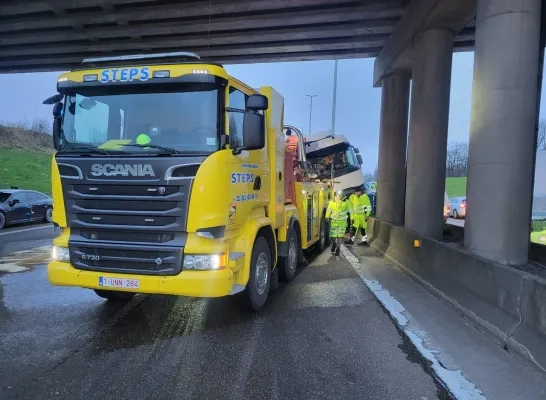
{"x":172,"y":177}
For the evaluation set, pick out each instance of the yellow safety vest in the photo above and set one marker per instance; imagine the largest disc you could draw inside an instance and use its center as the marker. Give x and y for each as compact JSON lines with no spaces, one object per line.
{"x":361,"y":204}
{"x":337,"y":210}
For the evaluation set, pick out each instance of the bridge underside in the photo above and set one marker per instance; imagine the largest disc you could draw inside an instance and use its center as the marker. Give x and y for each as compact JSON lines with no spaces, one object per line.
{"x":52,"y":35}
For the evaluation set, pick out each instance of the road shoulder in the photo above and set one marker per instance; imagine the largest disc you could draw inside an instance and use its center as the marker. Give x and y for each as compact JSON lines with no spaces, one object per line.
{"x":469,"y":363}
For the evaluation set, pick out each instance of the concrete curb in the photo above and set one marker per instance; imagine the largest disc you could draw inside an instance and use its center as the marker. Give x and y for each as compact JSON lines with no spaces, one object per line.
{"x":506,"y":304}
{"x":453,"y":380}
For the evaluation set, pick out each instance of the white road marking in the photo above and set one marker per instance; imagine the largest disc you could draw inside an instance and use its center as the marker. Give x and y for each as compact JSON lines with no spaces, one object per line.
{"x":458,"y":385}
{"x":35,"y":228}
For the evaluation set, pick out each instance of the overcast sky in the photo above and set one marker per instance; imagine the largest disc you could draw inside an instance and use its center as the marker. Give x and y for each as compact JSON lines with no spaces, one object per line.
{"x":358,"y":103}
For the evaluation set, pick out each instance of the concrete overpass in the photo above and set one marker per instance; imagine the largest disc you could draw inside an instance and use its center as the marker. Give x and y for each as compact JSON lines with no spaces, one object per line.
{"x":487,"y":278}
{"x":42,"y":35}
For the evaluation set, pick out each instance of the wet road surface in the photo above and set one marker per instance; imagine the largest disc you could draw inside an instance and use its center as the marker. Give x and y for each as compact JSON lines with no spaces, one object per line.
{"x":24,"y":237}
{"x":323,"y":336}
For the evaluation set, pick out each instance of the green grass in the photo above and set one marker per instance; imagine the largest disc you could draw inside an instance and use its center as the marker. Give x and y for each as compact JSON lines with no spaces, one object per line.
{"x":456,"y":187}
{"x":25,"y":157}
{"x":538,"y":237}
{"x":26,"y":169}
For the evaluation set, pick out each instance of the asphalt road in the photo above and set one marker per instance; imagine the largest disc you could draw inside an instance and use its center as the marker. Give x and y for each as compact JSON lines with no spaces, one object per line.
{"x":25,"y":237}
{"x":323,"y":336}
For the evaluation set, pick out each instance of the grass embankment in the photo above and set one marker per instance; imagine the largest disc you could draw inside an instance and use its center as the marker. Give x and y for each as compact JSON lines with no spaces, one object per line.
{"x":25,"y":159}
{"x":456,"y":187}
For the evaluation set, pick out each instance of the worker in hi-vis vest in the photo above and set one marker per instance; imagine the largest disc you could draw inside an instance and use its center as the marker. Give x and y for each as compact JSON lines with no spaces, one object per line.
{"x":362,"y":208}
{"x":337,"y":215}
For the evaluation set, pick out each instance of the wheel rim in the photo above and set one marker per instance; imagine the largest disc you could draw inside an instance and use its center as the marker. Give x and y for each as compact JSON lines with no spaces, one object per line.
{"x":2,"y":220}
{"x":322,"y":235}
{"x":292,"y":254}
{"x":261,"y":273}
{"x":49,"y":213}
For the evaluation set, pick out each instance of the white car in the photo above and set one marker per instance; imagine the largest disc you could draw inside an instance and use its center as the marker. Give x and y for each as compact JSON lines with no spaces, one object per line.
{"x":457,"y":207}
{"x":446,"y":207}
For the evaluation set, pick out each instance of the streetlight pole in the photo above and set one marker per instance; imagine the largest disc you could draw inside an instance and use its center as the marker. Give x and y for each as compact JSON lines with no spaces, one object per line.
{"x":310,"y":109}
{"x":333,"y":127}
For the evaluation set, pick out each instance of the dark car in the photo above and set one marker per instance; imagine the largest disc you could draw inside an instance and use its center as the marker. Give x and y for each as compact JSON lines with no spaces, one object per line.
{"x":20,"y":206}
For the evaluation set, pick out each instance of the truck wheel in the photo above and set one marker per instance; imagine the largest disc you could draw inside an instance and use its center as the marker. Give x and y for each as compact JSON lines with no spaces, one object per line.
{"x":114,"y":296}
{"x":289,"y":264}
{"x":323,"y":238}
{"x":257,"y":288}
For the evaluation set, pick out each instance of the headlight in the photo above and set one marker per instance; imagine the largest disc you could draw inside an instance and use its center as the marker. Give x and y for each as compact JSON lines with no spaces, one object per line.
{"x":60,"y":254}
{"x":204,"y":262}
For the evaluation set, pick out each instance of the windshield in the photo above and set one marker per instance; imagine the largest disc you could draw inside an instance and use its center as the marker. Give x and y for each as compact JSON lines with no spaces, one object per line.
{"x":4,"y":196}
{"x":344,"y":161}
{"x":185,"y":119}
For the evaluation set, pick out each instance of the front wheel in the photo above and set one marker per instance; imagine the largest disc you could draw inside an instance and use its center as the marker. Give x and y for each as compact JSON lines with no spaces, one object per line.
{"x":257,"y":288}
{"x":48,"y":216}
{"x":289,"y":264}
{"x":111,"y":295}
{"x":2,"y":220}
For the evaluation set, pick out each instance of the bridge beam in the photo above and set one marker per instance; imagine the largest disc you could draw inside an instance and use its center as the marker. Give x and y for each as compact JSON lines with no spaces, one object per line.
{"x":420,"y":15}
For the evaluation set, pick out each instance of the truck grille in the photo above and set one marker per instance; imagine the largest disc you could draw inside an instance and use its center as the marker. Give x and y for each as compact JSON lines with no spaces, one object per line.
{"x":138,"y":207}
{"x":158,"y":260}
{"x":106,"y":221}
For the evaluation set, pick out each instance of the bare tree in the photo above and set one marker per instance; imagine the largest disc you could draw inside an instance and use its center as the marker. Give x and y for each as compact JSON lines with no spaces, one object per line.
{"x":541,"y":135}
{"x":457,"y":159}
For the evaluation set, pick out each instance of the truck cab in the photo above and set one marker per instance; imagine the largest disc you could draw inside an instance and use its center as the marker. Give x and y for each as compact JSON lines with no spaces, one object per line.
{"x":168,"y":178}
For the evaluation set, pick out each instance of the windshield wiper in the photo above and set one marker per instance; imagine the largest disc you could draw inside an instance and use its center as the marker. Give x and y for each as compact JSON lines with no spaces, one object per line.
{"x":91,"y":149}
{"x":169,"y":150}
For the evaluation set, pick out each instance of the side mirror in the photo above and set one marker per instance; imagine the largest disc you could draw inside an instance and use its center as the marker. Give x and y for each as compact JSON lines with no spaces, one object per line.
{"x":359,"y":158}
{"x":57,"y":133}
{"x":253,"y":131}
{"x":257,"y":102}
{"x":356,"y":150}
{"x":57,"y":110}
{"x":13,"y":202}
{"x":53,"y":99}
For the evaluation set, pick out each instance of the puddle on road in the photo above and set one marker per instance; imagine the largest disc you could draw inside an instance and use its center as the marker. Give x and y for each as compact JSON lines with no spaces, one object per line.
{"x":24,"y":260}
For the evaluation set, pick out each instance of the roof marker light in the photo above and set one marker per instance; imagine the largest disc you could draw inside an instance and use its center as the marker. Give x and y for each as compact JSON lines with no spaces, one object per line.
{"x":161,"y":74}
{"x":90,"y":78}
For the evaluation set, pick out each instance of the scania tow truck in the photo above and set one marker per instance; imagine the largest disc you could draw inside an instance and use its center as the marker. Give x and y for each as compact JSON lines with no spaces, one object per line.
{"x":172,"y":177}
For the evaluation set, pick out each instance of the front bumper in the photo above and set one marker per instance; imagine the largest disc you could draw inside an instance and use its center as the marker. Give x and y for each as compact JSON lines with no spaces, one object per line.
{"x":187,"y":283}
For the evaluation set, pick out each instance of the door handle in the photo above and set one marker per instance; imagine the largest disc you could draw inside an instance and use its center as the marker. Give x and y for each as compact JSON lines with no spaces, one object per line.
{"x":257,"y":183}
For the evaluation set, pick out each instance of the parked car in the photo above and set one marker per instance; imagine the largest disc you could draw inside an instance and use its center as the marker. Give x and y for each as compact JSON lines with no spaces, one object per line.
{"x":446,"y":207}
{"x":22,"y":206}
{"x":458,"y":207}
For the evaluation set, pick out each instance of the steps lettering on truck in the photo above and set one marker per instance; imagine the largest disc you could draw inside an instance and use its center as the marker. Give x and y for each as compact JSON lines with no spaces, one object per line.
{"x":125,"y":75}
{"x":241,"y":177}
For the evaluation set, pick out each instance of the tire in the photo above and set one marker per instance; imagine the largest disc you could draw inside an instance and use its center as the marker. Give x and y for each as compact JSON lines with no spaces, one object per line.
{"x":455,"y":214}
{"x":111,"y":295}
{"x":323,"y":236}
{"x":257,"y":288}
{"x":2,"y":220}
{"x":48,"y":216}
{"x":289,"y":264}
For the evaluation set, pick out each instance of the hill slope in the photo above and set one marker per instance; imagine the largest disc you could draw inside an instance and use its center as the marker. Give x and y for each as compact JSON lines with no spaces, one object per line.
{"x":25,"y":159}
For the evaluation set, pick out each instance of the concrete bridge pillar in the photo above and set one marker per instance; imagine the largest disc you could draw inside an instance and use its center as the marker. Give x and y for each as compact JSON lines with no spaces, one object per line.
{"x":502,"y":131}
{"x":393,"y":131}
{"x":425,"y":182}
